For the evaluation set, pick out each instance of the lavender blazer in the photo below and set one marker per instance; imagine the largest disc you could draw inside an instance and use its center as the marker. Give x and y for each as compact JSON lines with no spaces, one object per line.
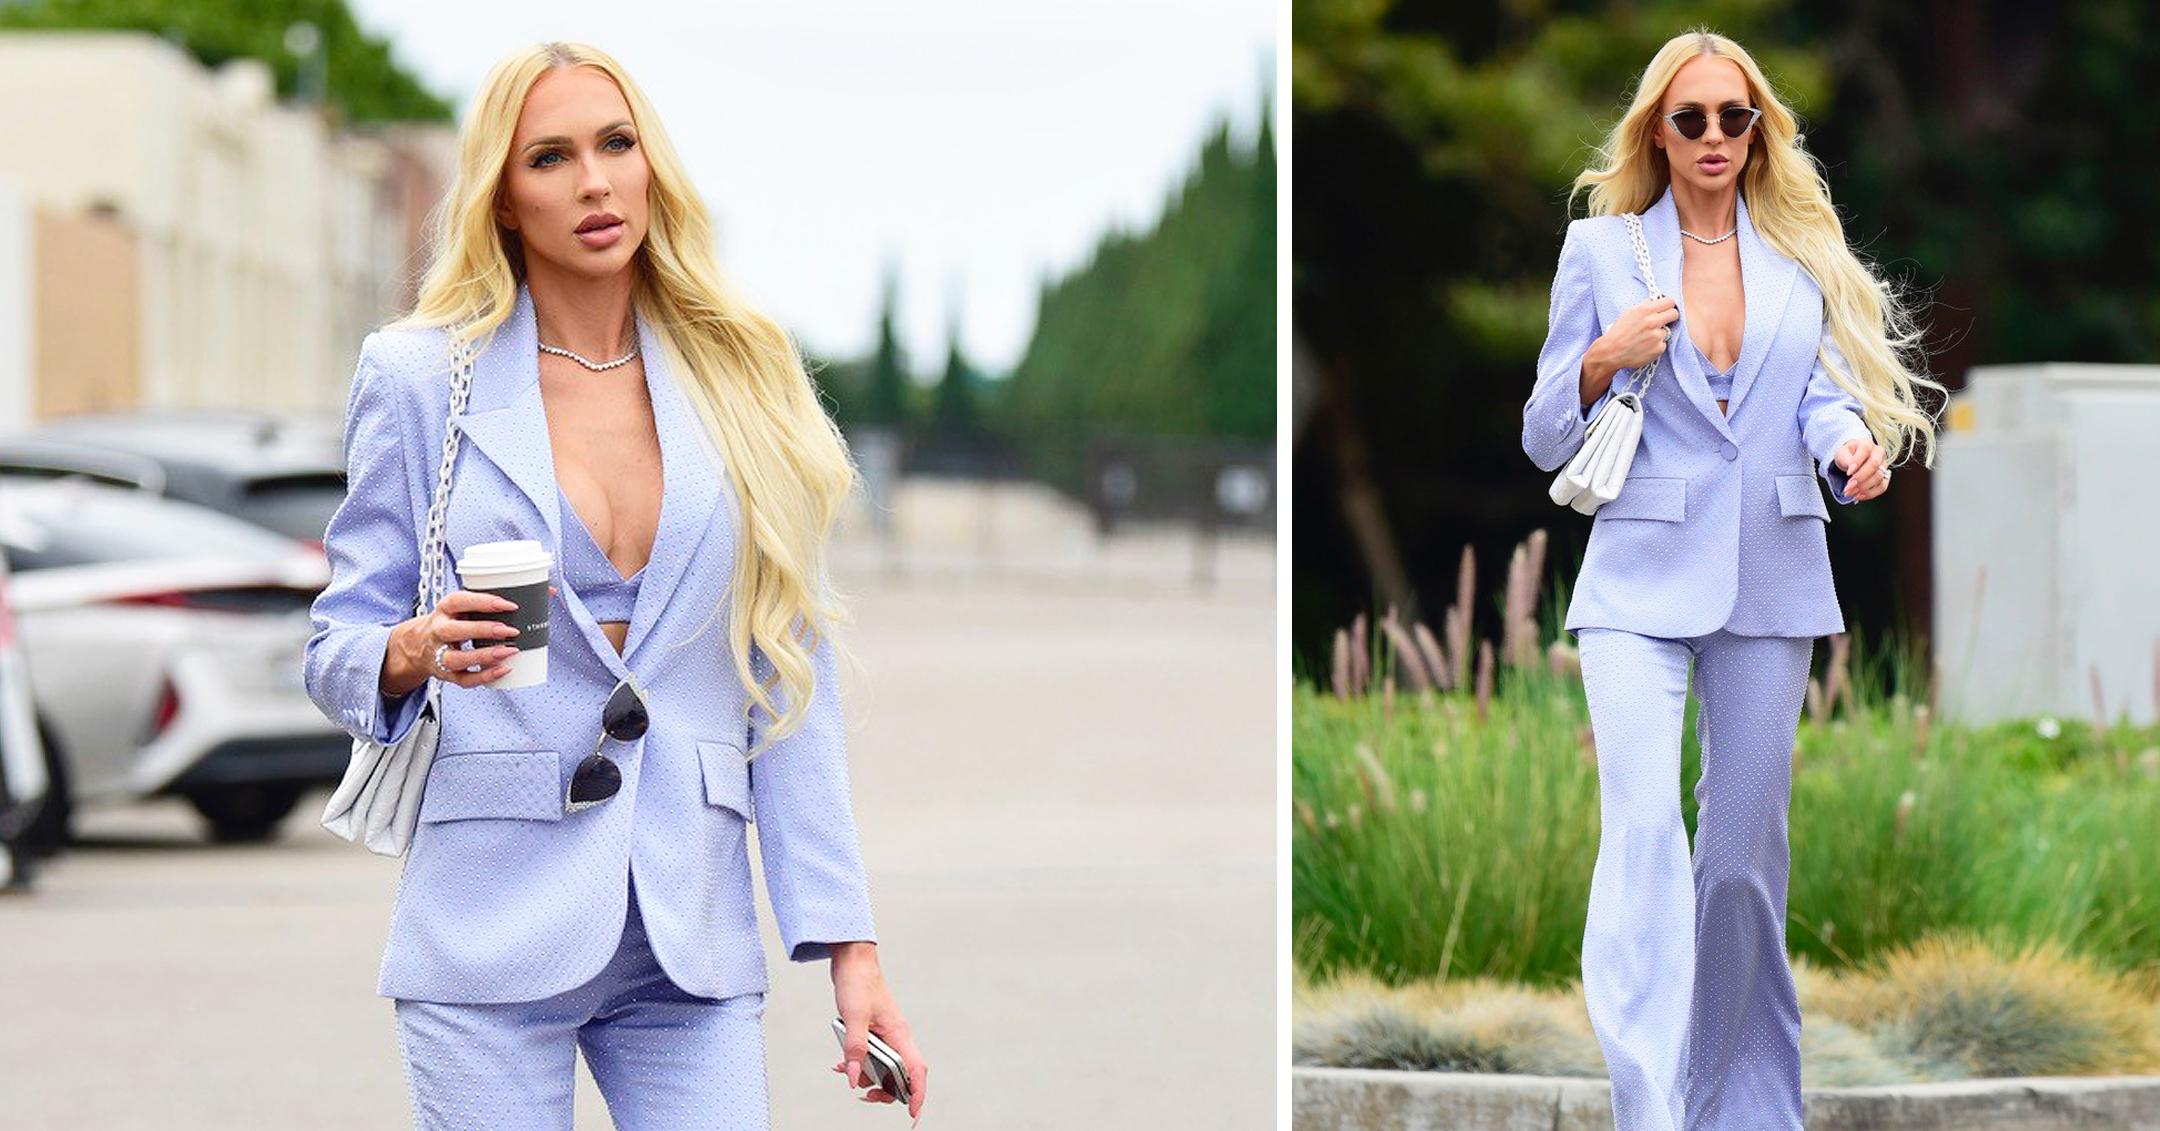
{"x":504,"y":897}
{"x":1720,"y":523}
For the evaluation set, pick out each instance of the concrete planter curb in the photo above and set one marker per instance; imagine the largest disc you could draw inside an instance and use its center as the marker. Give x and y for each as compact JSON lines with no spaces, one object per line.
{"x":1364,"y":1099}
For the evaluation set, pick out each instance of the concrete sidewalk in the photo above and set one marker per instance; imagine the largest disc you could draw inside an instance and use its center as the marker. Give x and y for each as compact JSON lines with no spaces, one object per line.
{"x":1066,"y":801}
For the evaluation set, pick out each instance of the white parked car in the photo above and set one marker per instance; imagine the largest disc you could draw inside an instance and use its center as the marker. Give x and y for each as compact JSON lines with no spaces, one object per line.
{"x":167,"y":641}
{"x":279,"y":470}
{"x":24,"y":781}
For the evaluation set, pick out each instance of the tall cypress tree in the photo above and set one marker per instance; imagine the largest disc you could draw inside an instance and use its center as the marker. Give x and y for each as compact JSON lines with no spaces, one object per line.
{"x":888,"y":400}
{"x":956,"y":414}
{"x":1168,"y":331}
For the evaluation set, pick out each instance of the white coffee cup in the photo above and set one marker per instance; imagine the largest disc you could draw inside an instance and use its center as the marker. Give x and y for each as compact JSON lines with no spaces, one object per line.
{"x":518,"y":571}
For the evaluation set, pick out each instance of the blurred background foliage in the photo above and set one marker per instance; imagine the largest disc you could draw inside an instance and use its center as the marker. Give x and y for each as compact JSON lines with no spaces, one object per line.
{"x":1991,"y":157}
{"x":1168,"y":331}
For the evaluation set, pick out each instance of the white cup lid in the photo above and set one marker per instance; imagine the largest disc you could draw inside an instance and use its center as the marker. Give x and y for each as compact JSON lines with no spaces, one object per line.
{"x":496,"y":557}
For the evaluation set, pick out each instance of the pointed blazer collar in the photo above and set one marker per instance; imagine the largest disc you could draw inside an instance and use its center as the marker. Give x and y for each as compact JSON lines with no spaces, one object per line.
{"x":506,"y":420}
{"x":1767,"y":280}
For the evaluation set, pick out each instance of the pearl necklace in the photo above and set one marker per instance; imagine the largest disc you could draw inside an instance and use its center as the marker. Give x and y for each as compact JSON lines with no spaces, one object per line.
{"x":592,"y":365}
{"x":1699,"y":239}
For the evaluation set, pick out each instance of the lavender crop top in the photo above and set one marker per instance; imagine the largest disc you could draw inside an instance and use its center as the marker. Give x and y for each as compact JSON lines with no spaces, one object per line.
{"x":585,"y":567}
{"x":1720,"y":383}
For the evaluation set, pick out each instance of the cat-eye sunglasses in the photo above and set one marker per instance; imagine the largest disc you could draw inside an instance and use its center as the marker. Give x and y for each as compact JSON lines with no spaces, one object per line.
{"x":1691,"y":121}
{"x":598,"y":778}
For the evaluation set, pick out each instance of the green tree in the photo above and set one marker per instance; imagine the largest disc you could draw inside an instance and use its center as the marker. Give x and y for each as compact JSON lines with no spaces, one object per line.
{"x":887,"y":403}
{"x":1169,"y":330}
{"x":956,"y":414}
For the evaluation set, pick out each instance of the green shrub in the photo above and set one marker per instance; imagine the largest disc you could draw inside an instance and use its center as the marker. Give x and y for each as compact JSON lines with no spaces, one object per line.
{"x":1429,"y":842}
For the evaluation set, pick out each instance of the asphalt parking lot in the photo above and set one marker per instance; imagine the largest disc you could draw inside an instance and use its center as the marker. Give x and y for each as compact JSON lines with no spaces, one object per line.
{"x":1066,"y":796}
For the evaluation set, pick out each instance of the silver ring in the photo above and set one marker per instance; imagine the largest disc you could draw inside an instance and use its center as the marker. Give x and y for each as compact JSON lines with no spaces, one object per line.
{"x":440,"y":664}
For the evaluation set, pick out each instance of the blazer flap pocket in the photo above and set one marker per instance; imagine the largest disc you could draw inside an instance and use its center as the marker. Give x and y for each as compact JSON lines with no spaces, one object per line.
{"x":1646,"y":496}
{"x":727,"y":776}
{"x":1797,"y":495}
{"x":494,"y":783}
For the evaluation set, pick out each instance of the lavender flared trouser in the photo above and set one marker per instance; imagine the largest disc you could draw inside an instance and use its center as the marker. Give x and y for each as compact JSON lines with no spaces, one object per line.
{"x":1684,"y":969}
{"x":665,"y":1059}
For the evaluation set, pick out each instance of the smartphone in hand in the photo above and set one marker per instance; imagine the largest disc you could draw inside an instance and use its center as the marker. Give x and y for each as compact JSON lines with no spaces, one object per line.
{"x":883,"y":1064}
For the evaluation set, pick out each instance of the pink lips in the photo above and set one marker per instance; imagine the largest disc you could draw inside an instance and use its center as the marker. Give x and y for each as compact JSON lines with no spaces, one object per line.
{"x":601,"y":237}
{"x":1713,"y":164}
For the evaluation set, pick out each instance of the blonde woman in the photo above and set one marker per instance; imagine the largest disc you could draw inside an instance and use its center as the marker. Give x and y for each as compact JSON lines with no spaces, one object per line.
{"x":579,"y":878}
{"x":1775,"y":346}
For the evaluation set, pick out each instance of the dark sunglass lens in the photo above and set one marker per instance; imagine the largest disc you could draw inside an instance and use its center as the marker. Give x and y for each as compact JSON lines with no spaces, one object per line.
{"x":624,"y":718}
{"x":1691,"y":123}
{"x":1736,"y":121}
{"x":597,"y":779}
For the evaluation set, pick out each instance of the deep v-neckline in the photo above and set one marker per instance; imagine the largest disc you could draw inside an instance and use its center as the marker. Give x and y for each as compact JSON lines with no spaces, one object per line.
{"x":578,"y":520}
{"x":1688,"y":324}
{"x":563,"y":498}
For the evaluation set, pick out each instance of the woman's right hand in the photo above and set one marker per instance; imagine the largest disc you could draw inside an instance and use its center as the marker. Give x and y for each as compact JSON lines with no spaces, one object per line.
{"x":1636,"y":338}
{"x":410,"y":661}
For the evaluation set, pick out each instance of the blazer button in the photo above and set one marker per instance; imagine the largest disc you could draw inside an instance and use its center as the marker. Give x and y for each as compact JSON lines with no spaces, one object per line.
{"x":1728,"y":450}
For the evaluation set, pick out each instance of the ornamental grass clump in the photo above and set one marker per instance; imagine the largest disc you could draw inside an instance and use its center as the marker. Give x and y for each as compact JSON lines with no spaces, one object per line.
{"x":1950,"y":1007}
{"x":1990,"y":1009}
{"x":1478,"y":1025}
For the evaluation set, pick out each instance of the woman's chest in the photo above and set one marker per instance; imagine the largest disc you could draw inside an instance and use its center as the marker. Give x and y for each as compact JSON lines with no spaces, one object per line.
{"x":606,"y":452}
{"x":1714,"y":301}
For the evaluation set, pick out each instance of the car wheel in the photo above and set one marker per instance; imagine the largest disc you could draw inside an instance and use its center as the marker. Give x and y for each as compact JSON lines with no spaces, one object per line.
{"x":246,"y":813}
{"x":54,"y":827}
{"x":22,"y":865}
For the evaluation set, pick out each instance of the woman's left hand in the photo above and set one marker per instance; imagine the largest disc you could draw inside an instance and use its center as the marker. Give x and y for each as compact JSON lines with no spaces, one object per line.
{"x":1867,"y":474}
{"x":866,"y":1005}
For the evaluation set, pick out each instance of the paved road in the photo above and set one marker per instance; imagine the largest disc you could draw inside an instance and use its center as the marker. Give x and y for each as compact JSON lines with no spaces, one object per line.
{"x":1066,"y":798}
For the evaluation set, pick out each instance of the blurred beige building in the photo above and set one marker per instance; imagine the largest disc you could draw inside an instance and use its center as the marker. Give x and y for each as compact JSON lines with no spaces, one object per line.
{"x":192,"y":242}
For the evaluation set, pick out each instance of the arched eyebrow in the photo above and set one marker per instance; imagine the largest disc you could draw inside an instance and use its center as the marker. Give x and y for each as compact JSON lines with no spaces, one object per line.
{"x":601,"y":132}
{"x":1725,"y":105}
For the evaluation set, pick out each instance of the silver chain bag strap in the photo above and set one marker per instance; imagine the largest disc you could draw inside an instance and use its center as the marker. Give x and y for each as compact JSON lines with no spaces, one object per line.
{"x":377,"y":802}
{"x":1599,"y":468}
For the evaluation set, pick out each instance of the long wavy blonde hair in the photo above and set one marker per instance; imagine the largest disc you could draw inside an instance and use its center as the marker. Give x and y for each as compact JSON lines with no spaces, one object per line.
{"x":790,"y":464}
{"x":1788,"y":200}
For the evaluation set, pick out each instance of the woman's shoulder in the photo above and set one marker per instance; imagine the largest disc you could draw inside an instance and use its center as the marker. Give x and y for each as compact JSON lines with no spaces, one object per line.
{"x":410,"y":364}
{"x":406,"y":353}
{"x":1599,"y":236}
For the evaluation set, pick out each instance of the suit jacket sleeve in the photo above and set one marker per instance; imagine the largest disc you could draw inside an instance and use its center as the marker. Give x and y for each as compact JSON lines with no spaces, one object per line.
{"x":1554,"y":418}
{"x":806,"y":821}
{"x":373,"y":544}
{"x":1830,"y":416}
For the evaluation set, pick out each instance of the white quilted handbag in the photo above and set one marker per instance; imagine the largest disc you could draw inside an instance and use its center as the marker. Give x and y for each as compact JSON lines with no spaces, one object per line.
{"x":1594,"y":477}
{"x":377,"y":802}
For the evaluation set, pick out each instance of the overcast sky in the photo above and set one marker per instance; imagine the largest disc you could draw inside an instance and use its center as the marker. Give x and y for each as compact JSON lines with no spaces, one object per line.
{"x":977,"y":144}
